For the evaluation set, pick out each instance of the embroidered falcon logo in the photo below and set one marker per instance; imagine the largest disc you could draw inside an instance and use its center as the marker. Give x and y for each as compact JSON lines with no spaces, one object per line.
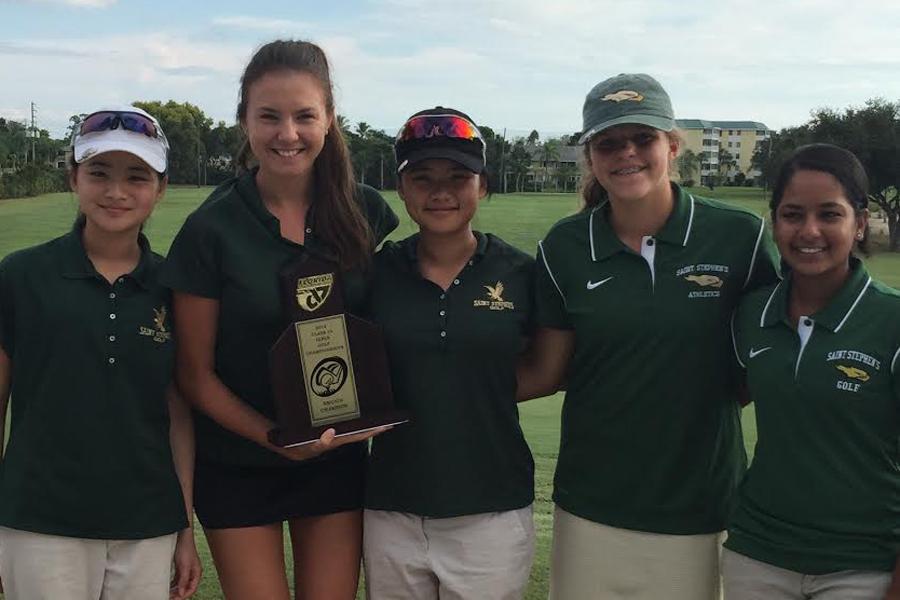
{"x":623,"y":95}
{"x":853,"y":372}
{"x":705,"y":280}
{"x":159,"y":320}
{"x":495,"y":293}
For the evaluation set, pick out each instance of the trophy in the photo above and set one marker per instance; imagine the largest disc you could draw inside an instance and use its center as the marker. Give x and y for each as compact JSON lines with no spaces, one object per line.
{"x":328,"y":368}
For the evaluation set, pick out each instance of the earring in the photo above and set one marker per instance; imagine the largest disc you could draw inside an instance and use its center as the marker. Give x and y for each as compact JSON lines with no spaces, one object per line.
{"x":859,"y":235}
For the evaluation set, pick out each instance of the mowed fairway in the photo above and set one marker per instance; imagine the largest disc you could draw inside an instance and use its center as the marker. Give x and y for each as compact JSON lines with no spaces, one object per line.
{"x":520,"y":219}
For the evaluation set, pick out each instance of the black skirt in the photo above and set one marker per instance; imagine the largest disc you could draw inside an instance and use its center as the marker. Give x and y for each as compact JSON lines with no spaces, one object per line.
{"x":228,"y":496}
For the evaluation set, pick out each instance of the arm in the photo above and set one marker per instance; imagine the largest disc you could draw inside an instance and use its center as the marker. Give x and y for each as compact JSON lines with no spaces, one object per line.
{"x":893,"y":592}
{"x":764,"y":261}
{"x":195,"y":320}
{"x":5,"y":384}
{"x":542,"y":368}
{"x":187,"y":568}
{"x":738,"y":366}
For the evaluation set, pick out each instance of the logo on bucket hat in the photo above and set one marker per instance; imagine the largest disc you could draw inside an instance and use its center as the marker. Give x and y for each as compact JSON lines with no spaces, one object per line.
{"x":623,"y":95}
{"x":627,"y":98}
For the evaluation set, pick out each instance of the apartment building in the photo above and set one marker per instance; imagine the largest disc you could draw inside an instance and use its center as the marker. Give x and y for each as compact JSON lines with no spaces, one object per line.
{"x":739,"y":138}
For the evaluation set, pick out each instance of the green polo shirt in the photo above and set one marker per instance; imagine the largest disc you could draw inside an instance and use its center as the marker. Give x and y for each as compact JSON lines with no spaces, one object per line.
{"x":231,"y":249}
{"x":651,"y":436}
{"x":453,"y":356}
{"x":823,"y":492}
{"x":88,"y":452}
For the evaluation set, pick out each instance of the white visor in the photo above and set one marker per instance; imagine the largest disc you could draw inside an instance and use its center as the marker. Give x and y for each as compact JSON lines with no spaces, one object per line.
{"x":152,"y":150}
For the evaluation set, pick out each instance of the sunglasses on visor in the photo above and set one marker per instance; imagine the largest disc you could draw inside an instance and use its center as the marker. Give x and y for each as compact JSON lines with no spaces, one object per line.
{"x":129,"y":121}
{"x":434,"y":126}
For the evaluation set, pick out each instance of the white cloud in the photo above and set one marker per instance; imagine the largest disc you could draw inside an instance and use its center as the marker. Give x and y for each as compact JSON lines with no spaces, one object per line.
{"x":75,"y":3}
{"x":520,"y":64}
{"x":261,"y":24}
{"x":87,"y":73}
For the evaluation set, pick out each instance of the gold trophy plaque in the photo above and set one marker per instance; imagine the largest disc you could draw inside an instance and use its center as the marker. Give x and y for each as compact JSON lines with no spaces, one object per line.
{"x":328,"y":368}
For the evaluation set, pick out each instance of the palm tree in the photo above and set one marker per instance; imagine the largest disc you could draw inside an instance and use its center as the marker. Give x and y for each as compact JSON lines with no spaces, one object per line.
{"x":688,"y":163}
{"x":550,"y":154}
{"x":726,"y":163}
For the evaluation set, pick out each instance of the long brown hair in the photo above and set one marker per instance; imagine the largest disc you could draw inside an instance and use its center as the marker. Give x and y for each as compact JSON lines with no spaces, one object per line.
{"x":339,"y":217}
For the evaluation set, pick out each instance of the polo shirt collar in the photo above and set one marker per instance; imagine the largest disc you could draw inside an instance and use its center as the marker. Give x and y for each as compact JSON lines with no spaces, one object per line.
{"x":835,"y":314}
{"x":677,"y":229}
{"x":246,"y":187}
{"x":249,"y":192}
{"x":75,"y":263}
{"x":411,"y":245}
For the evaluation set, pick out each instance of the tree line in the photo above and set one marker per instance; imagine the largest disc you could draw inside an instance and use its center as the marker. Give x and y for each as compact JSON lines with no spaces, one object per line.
{"x":871,"y":132}
{"x":203,"y":153}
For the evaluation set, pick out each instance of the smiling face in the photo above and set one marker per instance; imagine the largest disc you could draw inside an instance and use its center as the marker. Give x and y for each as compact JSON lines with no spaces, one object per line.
{"x":116,"y":191}
{"x":631,"y":162}
{"x":441,"y":195}
{"x":286,"y":122}
{"x":815,"y":225}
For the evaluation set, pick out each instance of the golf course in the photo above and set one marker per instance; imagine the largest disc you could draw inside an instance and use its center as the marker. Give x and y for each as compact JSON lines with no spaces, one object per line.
{"x":520,"y":219}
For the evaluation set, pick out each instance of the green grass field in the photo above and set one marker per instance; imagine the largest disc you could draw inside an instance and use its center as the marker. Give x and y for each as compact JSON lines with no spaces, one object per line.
{"x":520,"y":219}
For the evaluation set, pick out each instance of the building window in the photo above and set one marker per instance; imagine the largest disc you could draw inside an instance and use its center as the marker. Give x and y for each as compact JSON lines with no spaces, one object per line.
{"x":737,"y":144}
{"x":760,"y":132}
{"x":729,"y":144}
{"x":730,"y":132}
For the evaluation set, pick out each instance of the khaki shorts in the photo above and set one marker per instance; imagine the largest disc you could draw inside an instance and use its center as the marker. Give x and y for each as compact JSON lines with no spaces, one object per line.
{"x":748,"y":579}
{"x":485,"y":556}
{"x":35,"y":565}
{"x":591,"y":561}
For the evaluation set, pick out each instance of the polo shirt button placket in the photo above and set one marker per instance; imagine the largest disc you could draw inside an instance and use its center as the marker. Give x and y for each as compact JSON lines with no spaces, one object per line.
{"x":805,"y":327}
{"x":648,"y":253}
{"x":111,"y":360}
{"x":112,"y":337}
{"x":442,"y":313}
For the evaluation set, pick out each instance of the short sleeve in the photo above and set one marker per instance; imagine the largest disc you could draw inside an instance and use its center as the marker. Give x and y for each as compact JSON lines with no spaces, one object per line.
{"x":550,"y":303}
{"x":764,"y":261}
{"x":7,"y":307}
{"x":895,"y":374}
{"x":531,"y":321}
{"x":193,"y":264}
{"x":382,"y":219}
{"x":736,"y":340}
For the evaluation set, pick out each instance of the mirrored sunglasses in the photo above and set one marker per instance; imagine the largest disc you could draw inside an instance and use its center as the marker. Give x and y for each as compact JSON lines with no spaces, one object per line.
{"x":432,"y":126}
{"x":106,"y":120}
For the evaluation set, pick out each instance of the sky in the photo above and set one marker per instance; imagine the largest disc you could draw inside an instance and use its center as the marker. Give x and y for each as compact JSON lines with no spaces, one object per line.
{"x":510,"y":64}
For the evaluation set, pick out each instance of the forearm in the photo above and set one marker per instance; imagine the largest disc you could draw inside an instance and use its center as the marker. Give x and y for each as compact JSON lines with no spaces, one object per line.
{"x":181,"y":440}
{"x":196,"y":321}
{"x":893,"y":592}
{"x":542,"y":368}
{"x":207,"y":393}
{"x":5,"y":384}
{"x":531,"y":382}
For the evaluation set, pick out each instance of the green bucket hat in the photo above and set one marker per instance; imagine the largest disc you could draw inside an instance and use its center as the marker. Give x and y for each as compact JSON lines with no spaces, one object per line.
{"x":633,"y":98}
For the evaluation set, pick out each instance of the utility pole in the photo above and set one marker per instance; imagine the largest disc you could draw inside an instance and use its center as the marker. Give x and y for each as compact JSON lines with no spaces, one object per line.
{"x":502,"y":159}
{"x":33,"y":135}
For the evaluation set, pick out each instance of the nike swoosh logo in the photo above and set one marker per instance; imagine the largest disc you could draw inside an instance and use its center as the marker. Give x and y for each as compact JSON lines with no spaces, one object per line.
{"x":591,"y":285}
{"x":754,"y":353}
